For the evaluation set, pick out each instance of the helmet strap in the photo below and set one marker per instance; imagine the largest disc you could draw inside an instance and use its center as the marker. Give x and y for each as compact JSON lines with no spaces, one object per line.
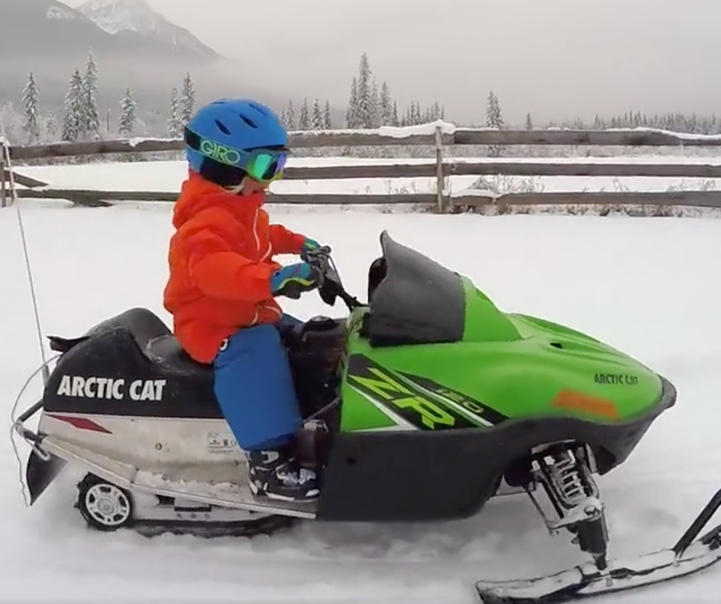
{"x":236,"y":190}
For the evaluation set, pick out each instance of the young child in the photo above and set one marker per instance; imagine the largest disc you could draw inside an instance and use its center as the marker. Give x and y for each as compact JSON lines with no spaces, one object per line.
{"x":223,"y":282}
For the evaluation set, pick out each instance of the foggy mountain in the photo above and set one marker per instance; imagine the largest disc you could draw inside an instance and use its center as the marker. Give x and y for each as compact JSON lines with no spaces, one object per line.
{"x":137,"y":16}
{"x":133,"y":46}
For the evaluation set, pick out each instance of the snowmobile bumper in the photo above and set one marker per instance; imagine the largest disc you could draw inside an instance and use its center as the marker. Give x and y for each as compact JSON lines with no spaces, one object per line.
{"x":689,"y":555}
{"x":40,"y":473}
{"x":42,"y":467}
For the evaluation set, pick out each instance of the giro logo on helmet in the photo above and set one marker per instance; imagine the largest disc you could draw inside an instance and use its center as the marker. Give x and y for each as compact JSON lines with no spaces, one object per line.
{"x":220,"y":153}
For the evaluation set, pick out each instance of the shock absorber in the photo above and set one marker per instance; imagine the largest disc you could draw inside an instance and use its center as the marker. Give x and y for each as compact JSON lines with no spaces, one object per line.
{"x":568,"y":482}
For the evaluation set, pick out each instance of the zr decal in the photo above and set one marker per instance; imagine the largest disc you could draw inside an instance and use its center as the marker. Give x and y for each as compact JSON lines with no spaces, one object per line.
{"x":490,"y":417}
{"x":422,"y":403}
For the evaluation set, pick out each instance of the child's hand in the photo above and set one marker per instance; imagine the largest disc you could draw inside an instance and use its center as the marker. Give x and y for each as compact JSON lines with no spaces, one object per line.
{"x":293,"y":280}
{"x":309,"y":245}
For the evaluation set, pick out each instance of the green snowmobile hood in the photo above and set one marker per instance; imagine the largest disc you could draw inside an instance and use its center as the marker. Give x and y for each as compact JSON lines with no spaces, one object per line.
{"x":494,"y":367}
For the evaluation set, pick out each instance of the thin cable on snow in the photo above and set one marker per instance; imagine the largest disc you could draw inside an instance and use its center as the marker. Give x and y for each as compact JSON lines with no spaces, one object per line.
{"x":6,"y":159}
{"x":6,"y":162}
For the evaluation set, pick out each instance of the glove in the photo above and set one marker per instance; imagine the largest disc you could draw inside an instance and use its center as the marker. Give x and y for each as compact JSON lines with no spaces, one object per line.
{"x":309,"y":245}
{"x":293,"y":280}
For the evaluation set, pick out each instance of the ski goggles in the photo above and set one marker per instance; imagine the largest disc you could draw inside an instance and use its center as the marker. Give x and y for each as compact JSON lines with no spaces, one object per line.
{"x":262,"y":165}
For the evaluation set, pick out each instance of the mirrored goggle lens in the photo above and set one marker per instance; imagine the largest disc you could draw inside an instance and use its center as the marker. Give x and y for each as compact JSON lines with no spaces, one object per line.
{"x":267,"y":166}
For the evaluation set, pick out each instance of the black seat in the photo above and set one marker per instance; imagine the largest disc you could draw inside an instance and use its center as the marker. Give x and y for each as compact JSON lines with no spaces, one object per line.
{"x":166,"y":351}
{"x":155,"y":341}
{"x":143,"y":324}
{"x":138,"y":346}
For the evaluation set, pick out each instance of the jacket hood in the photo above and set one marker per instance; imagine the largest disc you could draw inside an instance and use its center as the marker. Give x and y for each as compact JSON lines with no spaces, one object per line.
{"x":198,"y":194}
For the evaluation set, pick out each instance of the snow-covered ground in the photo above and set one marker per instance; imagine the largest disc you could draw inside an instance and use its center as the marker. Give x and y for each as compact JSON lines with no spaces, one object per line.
{"x":646,"y":285}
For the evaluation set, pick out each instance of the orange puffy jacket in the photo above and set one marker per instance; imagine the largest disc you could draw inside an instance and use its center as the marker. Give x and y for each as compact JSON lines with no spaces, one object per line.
{"x":220,"y":262}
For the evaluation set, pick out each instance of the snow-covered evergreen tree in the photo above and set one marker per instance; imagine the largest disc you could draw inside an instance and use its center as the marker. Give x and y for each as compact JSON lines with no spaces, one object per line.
{"x":327,"y":119}
{"x":51,"y":127}
{"x":187,"y":100}
{"x":317,"y":120}
{"x":304,"y":118}
{"x":174,"y":127}
{"x":365,"y":106}
{"x":351,"y":116}
{"x":90,"y":112}
{"x":127,"y":116}
{"x":435,"y":112}
{"x":290,"y":116}
{"x":73,"y":119}
{"x":413,"y":115}
{"x":385,"y":106}
{"x":31,"y":98}
{"x":494,"y":119}
{"x":529,"y":122}
{"x":375,"y":104}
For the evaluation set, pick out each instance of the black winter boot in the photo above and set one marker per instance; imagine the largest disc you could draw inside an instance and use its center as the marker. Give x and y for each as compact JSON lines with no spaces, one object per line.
{"x":276,"y":474}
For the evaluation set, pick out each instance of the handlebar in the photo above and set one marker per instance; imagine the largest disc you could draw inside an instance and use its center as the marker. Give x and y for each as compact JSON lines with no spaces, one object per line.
{"x":331,"y":286}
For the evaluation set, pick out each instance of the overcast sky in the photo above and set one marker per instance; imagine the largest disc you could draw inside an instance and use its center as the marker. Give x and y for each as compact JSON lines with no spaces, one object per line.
{"x":555,"y":58}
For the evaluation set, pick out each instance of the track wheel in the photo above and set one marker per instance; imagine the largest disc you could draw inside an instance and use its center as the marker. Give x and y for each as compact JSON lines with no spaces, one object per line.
{"x":104,"y":506}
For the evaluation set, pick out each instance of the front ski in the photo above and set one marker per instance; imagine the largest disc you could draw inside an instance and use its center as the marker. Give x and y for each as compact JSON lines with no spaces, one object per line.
{"x":688,"y":556}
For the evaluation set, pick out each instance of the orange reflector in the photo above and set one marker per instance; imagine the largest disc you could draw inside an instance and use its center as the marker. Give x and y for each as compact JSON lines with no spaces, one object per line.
{"x":577,"y":401}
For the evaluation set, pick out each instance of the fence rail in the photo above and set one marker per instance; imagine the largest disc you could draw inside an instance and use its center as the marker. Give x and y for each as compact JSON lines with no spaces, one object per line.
{"x":439,"y":136}
{"x":701,"y":199}
{"x":383,"y":137}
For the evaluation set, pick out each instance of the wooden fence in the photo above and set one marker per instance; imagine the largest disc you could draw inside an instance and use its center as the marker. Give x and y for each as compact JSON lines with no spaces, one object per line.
{"x":438,"y":136}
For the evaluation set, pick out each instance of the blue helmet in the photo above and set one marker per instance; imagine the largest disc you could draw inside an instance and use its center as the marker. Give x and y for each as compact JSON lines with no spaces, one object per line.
{"x":235,"y":124}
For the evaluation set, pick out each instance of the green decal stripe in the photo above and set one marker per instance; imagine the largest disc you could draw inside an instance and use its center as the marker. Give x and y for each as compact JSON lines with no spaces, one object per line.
{"x":391,"y":414}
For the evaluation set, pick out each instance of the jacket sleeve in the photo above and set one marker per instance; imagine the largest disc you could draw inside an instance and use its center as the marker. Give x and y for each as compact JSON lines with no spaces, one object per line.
{"x":216,"y":269}
{"x":284,"y":241}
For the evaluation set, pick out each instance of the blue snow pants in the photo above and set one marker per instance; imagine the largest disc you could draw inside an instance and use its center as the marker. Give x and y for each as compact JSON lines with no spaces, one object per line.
{"x":254,"y":386}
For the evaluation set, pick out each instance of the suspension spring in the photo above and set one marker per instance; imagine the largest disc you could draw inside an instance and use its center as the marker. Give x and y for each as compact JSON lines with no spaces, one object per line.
{"x":565,"y":477}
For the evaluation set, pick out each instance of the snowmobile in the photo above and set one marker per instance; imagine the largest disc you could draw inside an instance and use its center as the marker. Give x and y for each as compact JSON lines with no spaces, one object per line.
{"x":427,"y":384}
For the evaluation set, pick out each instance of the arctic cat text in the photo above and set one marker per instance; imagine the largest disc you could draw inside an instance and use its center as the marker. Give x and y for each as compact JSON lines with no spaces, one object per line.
{"x":110,"y":388}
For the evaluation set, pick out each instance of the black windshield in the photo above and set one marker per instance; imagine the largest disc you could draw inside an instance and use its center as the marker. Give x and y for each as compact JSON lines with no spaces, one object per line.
{"x":416,"y":301}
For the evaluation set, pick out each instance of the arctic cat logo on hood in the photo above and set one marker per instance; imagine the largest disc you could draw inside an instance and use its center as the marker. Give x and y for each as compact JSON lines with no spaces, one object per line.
{"x":110,"y":388}
{"x":616,"y":378}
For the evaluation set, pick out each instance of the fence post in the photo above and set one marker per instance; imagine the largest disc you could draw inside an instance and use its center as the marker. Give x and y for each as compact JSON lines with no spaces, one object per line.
{"x":3,"y":195}
{"x":440,"y":202}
